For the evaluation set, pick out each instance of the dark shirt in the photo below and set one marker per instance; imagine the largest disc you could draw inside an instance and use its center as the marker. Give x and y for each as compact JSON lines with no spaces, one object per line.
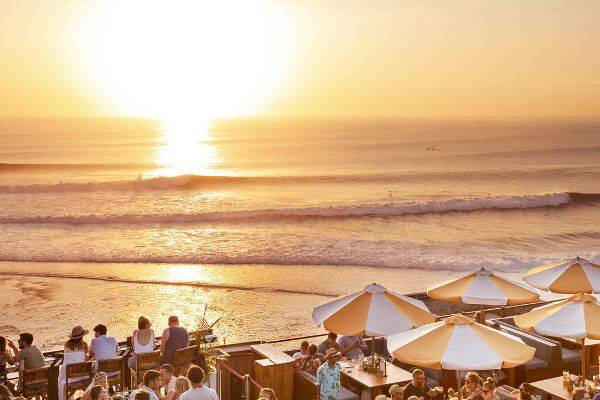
{"x":178,"y":339}
{"x":410,"y":390}
{"x":325,"y":345}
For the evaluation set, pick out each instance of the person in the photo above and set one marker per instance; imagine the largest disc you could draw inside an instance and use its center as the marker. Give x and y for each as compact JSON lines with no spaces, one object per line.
{"x":150,"y":384}
{"x":30,"y":357}
{"x":182,"y":384}
{"x":352,"y":346}
{"x":168,"y":380}
{"x":100,"y":379}
{"x":6,"y":357}
{"x":488,"y":390}
{"x":142,"y":395}
{"x":417,"y":387}
{"x":472,"y":386}
{"x":480,"y":317}
{"x":395,"y":392}
{"x":267,"y":393}
{"x":311,"y":362}
{"x":102,"y":347}
{"x":142,"y":340}
{"x":98,"y":393}
{"x":173,"y":339}
{"x":302,"y":354}
{"x":329,"y":343}
{"x":75,"y":350}
{"x":581,"y":394}
{"x":328,"y":375}
{"x":5,"y":393}
{"x":198,"y":392}
{"x":523,"y":392}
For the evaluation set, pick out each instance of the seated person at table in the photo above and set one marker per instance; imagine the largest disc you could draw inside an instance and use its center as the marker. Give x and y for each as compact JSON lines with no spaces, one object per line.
{"x":142,"y":340}
{"x":311,"y":362}
{"x":151,"y":384}
{"x":30,"y":357}
{"x":581,"y":394}
{"x":75,"y":351}
{"x":329,"y":343}
{"x":102,"y":347}
{"x":182,"y":385}
{"x":488,"y":390}
{"x":101,"y":379}
{"x":98,"y":393}
{"x":396,"y":392}
{"x":173,"y":339}
{"x":352,"y":346}
{"x":472,"y":385}
{"x":6,"y":357}
{"x":419,"y":388}
{"x":168,"y":380}
{"x":302,"y":354}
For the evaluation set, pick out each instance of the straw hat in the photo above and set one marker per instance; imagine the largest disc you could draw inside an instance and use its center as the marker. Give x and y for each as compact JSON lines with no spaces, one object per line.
{"x":331,"y":353}
{"x":78,"y":332}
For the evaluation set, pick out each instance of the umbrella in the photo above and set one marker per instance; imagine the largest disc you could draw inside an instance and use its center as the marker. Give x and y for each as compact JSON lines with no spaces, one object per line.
{"x":577,"y":317}
{"x":483,"y":287}
{"x":373,"y":311}
{"x":459,"y":343}
{"x":577,"y":275}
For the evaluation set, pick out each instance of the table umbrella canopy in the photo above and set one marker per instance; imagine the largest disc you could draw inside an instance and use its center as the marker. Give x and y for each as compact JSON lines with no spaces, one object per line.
{"x":577,"y":317}
{"x":459,"y":343}
{"x":577,"y":275}
{"x":373,"y":311}
{"x":483,"y":287}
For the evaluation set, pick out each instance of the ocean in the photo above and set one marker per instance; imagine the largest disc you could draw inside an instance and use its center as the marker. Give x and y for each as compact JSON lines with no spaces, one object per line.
{"x":260,"y":220}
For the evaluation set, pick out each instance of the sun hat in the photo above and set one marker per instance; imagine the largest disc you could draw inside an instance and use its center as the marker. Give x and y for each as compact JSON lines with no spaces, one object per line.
{"x":330,"y":353}
{"x":78,"y":332}
{"x":395,"y":389}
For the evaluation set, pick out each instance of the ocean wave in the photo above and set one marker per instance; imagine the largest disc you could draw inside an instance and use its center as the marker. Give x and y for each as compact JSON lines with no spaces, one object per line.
{"x":52,"y":167}
{"x":352,"y":211}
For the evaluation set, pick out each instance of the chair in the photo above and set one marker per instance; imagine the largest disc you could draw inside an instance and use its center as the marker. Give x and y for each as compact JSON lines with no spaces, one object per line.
{"x":77,"y":376}
{"x":35,"y":382}
{"x":114,"y":370}
{"x":184,"y":357}
{"x":144,"y":362}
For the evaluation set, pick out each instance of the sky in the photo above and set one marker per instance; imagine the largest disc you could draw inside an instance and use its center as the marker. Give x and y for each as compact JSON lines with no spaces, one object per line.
{"x":501,"y":58}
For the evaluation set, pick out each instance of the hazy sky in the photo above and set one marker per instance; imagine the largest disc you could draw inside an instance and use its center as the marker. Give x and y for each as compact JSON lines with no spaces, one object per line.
{"x":340,"y":58}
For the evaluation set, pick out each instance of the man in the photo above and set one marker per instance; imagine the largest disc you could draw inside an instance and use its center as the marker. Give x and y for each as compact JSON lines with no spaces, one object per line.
{"x":173,"y":339}
{"x":102,"y":347}
{"x":30,"y":357}
{"x":329,"y":343}
{"x":302,"y":354}
{"x":352,"y":346}
{"x":198,"y":392}
{"x":328,"y":376}
{"x":98,"y":393}
{"x":151,"y":385}
{"x":168,"y":381}
{"x":395,"y":392}
{"x":419,"y":388}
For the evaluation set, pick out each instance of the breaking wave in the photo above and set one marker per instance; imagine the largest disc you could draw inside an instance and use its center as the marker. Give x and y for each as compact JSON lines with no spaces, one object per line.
{"x":351,"y":211}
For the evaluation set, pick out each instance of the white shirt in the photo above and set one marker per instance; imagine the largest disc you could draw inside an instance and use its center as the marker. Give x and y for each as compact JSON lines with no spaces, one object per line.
{"x":201,"y":393}
{"x":104,"y":347}
{"x":171,"y":385}
{"x":298,"y":355}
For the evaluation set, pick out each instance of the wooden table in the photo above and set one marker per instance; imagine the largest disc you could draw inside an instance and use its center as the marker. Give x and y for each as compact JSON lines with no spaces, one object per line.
{"x":553,"y":387}
{"x":372,"y":381}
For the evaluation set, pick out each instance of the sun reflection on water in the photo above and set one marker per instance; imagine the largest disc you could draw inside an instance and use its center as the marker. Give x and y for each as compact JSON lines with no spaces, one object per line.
{"x":185,"y":148}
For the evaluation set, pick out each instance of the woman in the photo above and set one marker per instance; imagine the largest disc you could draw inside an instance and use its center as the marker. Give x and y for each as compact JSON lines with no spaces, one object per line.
{"x":75,"y":351}
{"x":267,"y":393}
{"x":6,"y":357}
{"x":472,"y":385}
{"x":100,"y":379}
{"x":311,"y":362}
{"x":182,"y":384}
{"x":488,"y":390}
{"x":142,"y":340}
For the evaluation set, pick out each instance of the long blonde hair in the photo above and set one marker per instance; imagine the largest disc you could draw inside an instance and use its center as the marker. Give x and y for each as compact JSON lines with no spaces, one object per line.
{"x":182,"y":383}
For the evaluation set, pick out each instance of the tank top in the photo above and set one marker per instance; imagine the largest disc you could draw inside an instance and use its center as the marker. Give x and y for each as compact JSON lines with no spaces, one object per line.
{"x":178,"y":339}
{"x":139,"y":348}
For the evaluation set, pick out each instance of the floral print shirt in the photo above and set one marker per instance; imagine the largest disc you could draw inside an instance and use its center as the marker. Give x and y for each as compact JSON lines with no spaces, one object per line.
{"x":328,"y":379}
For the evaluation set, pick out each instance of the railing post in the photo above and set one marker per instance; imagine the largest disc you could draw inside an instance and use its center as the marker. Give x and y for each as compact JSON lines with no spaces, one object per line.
{"x":247,"y":386}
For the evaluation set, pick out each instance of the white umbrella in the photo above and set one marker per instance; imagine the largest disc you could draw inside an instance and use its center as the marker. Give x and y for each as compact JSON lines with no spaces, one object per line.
{"x":576,"y":275}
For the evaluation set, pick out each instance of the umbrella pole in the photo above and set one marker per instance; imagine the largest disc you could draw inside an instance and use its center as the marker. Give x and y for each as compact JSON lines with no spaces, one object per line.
{"x":583,"y":358}
{"x":459,"y":393}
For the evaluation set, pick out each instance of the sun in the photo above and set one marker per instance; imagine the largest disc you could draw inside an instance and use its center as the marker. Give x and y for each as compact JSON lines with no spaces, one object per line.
{"x":182,"y":59}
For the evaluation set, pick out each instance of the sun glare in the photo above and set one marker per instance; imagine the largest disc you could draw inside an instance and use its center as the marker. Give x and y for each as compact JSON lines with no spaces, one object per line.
{"x":188,"y":58}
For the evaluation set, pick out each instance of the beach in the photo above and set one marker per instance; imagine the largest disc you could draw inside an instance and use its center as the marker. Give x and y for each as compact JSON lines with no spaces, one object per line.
{"x":106,"y":220}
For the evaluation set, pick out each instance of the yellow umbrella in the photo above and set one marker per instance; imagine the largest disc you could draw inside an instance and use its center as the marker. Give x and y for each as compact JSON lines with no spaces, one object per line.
{"x":483,"y":287}
{"x":459,"y":343}
{"x":577,"y":317}
{"x":577,"y":275}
